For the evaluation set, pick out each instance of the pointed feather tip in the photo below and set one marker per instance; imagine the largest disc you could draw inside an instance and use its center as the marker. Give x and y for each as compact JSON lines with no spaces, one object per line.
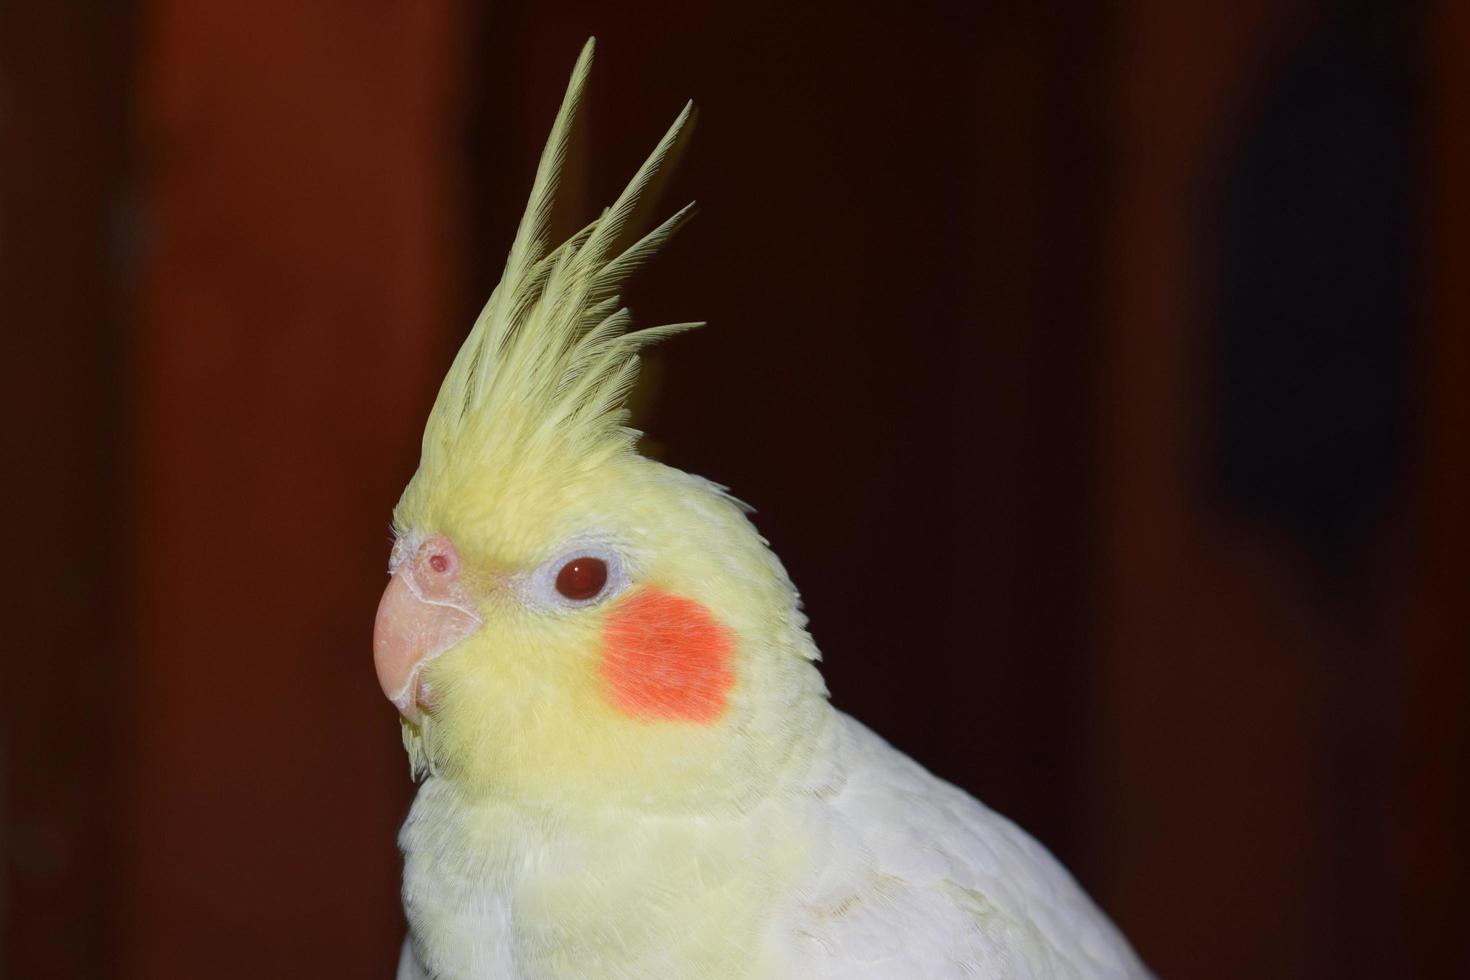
{"x":531,"y":362}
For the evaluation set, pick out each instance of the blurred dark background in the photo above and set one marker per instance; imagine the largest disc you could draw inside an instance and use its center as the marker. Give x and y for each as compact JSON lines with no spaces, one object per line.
{"x":1093,"y":366}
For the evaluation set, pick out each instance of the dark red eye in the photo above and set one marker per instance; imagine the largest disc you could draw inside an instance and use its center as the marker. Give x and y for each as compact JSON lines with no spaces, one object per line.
{"x":582,"y":578}
{"x":439,"y":563}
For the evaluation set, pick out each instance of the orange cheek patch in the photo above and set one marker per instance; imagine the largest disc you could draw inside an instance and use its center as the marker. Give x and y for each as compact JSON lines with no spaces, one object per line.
{"x":666,"y":657}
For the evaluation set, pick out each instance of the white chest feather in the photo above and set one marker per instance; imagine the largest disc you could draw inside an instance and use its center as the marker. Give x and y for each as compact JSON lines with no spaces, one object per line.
{"x":875,"y":869}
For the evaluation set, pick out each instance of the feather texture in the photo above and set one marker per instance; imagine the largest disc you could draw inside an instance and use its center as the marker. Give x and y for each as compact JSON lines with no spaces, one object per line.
{"x":544,"y":374}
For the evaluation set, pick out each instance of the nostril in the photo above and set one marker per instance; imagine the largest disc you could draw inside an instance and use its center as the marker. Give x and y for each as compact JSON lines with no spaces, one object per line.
{"x":436,"y":559}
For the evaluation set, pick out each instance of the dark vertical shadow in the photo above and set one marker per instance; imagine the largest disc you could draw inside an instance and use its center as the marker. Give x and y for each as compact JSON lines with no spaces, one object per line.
{"x":1318,"y":237}
{"x":65,"y":248}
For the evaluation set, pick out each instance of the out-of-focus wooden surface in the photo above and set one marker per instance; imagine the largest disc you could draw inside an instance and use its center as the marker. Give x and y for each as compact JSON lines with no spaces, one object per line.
{"x":298,"y":173}
{"x":64,"y":444}
{"x":1207,"y":684}
{"x":1431,"y":801}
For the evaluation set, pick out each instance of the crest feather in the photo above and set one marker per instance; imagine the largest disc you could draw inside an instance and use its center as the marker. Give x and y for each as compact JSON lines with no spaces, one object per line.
{"x":547,"y":366}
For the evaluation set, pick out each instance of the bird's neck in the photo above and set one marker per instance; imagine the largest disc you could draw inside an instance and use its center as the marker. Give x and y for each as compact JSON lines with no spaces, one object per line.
{"x":550,"y":880}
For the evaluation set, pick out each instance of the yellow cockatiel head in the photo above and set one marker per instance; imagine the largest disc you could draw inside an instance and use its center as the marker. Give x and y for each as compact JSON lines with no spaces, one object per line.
{"x":567,"y":618}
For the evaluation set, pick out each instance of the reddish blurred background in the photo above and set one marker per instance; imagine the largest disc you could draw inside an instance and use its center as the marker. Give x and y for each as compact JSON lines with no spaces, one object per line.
{"x":1093,"y":367}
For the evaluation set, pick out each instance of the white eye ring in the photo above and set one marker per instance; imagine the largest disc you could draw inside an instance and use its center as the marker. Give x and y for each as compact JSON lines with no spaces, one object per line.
{"x":539,"y":588}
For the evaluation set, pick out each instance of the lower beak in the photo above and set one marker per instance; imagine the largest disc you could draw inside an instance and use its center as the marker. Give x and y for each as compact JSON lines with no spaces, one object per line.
{"x":411,"y":629}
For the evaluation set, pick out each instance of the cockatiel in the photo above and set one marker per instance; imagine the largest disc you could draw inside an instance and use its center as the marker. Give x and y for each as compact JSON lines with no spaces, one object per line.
{"x":630,"y":766}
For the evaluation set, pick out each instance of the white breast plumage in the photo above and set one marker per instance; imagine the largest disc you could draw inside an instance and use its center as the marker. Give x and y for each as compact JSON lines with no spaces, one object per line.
{"x":876,"y":870}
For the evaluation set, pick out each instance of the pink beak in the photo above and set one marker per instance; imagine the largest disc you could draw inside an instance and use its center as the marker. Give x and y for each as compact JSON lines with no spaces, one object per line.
{"x":424,"y":611}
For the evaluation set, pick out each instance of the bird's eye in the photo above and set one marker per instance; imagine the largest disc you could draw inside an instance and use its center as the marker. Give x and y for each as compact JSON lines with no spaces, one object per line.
{"x":585,"y":572}
{"x":582,"y":578}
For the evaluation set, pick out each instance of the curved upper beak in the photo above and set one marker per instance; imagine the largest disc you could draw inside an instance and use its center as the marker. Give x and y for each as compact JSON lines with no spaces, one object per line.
{"x":424,"y":611}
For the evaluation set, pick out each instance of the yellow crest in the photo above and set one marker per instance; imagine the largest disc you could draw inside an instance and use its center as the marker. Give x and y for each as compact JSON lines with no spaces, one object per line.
{"x":542,"y":379}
